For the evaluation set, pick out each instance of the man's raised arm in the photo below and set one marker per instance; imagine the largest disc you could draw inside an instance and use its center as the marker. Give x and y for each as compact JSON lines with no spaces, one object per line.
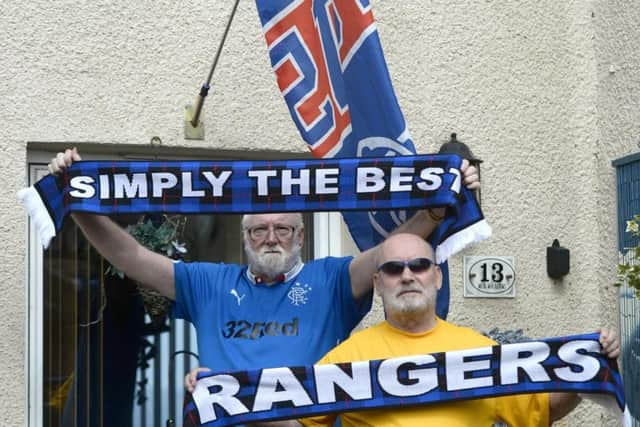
{"x":422,"y":224}
{"x":151,"y":270}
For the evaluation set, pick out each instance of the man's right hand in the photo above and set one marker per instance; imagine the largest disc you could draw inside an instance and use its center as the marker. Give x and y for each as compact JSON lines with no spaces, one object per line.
{"x":191,"y":378}
{"x":63,"y":160}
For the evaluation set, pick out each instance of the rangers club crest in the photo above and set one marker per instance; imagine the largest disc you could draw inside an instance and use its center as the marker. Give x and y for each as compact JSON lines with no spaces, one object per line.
{"x":298,"y":294}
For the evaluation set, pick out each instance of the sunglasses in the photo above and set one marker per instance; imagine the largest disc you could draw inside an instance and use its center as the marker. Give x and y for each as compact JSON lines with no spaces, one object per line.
{"x":416,"y":265}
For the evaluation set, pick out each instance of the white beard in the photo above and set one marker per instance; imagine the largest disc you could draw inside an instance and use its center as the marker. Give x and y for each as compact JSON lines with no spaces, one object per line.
{"x":272,"y":264}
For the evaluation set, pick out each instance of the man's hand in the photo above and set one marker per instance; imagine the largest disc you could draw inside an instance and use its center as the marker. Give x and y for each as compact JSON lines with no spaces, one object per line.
{"x":470,"y":179}
{"x":560,"y":404}
{"x":470,"y":176}
{"x":191,"y":378}
{"x":63,"y":160}
{"x":609,"y":342}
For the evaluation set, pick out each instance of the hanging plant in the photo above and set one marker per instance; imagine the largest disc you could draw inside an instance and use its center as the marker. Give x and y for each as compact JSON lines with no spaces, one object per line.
{"x":163,"y":239}
{"x":629,"y":268}
{"x":161,"y":235}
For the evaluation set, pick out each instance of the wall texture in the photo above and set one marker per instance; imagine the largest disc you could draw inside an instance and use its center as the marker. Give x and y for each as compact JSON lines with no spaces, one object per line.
{"x":546,"y":92}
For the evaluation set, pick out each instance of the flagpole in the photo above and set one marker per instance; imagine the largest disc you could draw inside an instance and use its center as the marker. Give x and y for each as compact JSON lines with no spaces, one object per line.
{"x":204,"y":90}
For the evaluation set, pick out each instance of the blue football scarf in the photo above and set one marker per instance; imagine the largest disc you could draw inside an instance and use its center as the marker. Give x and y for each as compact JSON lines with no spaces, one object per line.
{"x":331,"y":71}
{"x":197,"y":187}
{"x":564,"y":364}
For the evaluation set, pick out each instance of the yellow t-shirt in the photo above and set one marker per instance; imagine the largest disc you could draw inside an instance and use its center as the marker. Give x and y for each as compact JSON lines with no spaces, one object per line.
{"x":383,"y":341}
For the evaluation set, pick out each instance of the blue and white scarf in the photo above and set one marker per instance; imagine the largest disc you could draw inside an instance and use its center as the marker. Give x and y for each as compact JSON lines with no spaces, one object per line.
{"x":564,"y":364}
{"x":197,"y":187}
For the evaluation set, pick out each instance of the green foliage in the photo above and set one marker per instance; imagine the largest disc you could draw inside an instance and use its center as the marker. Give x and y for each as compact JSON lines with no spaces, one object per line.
{"x":162,"y":239}
{"x":629,"y":268}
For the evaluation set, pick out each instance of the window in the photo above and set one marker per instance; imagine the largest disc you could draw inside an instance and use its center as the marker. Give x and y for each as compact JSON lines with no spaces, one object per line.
{"x":95,"y":357}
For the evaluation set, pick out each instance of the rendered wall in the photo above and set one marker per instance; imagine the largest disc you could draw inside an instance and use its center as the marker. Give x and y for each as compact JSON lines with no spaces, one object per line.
{"x":546,"y":92}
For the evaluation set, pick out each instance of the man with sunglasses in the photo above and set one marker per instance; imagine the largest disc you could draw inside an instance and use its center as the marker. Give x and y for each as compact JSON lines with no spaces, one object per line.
{"x":408,"y":280}
{"x":276,"y":311}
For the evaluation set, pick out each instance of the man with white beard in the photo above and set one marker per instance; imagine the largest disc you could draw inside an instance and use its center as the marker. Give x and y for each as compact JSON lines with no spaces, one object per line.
{"x":277,"y":311}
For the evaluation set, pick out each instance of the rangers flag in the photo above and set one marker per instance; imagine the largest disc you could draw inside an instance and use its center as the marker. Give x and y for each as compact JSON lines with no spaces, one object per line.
{"x":330,"y":68}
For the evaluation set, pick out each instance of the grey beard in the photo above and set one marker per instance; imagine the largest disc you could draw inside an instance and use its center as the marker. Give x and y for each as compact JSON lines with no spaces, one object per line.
{"x":413,"y":306}
{"x":407,"y":307}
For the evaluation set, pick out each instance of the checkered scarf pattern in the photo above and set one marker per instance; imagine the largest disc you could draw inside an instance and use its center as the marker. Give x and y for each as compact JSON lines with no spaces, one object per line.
{"x":88,"y":186}
{"x":605,"y":381}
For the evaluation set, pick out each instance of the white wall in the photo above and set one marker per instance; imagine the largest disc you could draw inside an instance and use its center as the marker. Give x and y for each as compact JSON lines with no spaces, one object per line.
{"x":546,"y":92}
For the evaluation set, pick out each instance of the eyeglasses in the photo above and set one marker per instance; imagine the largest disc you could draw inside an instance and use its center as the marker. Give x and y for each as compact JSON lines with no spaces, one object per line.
{"x":259,"y":232}
{"x":416,"y":265}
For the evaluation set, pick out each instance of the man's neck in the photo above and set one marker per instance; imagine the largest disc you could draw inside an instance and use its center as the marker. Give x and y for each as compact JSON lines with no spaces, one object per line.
{"x":414,"y":323}
{"x":266,"y":279}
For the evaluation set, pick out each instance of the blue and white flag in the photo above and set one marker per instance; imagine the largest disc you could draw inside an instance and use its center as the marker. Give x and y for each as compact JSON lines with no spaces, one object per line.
{"x":331,"y":71}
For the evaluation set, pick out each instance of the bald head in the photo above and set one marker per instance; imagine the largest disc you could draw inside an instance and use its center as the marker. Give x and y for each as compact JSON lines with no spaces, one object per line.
{"x":404,"y":246}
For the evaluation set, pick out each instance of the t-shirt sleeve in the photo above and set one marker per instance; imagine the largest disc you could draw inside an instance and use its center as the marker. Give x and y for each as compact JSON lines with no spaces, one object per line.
{"x":195,"y":282}
{"x":531,"y":410}
{"x":351,"y":310}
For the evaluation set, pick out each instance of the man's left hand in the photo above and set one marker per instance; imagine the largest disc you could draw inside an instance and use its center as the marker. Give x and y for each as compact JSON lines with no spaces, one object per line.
{"x":469,"y":175}
{"x":609,"y":342}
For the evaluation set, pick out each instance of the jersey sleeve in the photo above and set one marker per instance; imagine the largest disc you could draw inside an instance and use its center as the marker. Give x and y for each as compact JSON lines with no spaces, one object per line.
{"x":195,"y":283}
{"x":351,"y":310}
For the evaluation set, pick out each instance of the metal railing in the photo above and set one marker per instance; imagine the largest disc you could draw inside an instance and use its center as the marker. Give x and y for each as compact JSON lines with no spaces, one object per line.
{"x":167,"y":355}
